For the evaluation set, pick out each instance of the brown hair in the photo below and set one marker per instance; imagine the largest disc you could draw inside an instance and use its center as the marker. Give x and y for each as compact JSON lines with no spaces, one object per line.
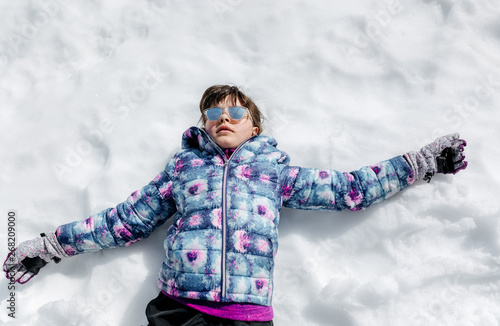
{"x":218,"y":93}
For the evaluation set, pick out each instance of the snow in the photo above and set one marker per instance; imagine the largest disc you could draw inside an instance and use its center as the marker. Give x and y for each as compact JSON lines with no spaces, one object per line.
{"x":96,"y":94}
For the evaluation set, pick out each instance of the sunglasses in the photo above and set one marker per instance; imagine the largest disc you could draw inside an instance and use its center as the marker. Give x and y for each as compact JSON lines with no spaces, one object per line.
{"x":234,"y":112}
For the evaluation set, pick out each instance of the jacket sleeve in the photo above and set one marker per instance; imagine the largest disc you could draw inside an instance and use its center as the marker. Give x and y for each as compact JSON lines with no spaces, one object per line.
{"x":315,"y":189}
{"x":133,"y":220}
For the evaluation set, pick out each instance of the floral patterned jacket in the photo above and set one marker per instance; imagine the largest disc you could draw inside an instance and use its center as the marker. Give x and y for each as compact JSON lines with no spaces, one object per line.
{"x":223,"y":239}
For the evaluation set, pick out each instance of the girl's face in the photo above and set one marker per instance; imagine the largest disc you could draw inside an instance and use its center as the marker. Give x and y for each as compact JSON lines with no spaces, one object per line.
{"x":229,"y":133}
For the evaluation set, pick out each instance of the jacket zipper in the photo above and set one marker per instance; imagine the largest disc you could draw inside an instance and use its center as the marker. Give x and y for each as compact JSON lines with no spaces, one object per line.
{"x":224,"y":226}
{"x":224,"y":210}
{"x":224,"y":220}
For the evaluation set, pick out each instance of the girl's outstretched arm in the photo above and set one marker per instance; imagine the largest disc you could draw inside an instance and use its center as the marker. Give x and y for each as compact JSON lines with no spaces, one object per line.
{"x":133,"y":220}
{"x":308,"y":188}
{"x":315,"y":189}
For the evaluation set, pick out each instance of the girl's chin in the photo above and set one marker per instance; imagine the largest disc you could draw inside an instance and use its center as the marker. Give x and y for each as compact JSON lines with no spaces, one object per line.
{"x":225,"y":144}
{"x":227,"y":141}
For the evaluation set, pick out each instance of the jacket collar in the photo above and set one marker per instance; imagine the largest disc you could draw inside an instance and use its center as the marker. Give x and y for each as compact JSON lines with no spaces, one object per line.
{"x":197,"y":138}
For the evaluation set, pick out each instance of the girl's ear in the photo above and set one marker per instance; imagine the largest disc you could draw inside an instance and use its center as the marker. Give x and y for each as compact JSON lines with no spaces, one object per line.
{"x":255,"y":130}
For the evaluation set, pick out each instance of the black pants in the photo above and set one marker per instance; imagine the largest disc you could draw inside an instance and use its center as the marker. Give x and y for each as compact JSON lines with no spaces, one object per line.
{"x":163,"y":311}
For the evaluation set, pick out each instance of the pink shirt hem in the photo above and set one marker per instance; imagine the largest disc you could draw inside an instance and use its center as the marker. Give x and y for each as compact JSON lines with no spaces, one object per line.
{"x":229,"y":310}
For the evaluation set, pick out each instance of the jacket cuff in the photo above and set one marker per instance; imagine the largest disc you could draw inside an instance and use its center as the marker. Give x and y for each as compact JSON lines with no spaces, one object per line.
{"x":68,"y":250}
{"x":417,"y":164}
{"x":54,"y":246}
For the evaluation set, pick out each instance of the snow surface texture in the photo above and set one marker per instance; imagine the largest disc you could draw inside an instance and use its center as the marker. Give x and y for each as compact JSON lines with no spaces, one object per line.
{"x":95,"y":95}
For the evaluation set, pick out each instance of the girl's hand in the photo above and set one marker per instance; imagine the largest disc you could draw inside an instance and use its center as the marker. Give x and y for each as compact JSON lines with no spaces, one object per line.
{"x":444,"y":155}
{"x":26,"y":260}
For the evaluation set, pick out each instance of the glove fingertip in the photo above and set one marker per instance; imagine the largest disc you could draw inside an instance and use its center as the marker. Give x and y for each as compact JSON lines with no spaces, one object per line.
{"x":462,"y":167}
{"x":22,"y":280}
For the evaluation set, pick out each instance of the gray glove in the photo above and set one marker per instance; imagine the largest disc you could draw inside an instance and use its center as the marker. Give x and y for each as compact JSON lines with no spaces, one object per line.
{"x":26,"y":260}
{"x":444,"y":155}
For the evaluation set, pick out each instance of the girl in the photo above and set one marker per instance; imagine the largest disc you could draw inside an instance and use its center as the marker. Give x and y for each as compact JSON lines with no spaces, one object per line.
{"x":224,"y":190}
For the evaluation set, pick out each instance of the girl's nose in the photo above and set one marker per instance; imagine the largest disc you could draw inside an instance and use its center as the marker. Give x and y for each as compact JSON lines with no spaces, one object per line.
{"x":224,"y":116}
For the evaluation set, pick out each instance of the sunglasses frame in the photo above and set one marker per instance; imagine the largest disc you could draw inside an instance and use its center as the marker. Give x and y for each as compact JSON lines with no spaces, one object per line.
{"x":205,"y":112}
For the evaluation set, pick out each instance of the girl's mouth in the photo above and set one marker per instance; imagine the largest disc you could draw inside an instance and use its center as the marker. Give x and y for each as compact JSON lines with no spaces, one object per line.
{"x":223,"y":129}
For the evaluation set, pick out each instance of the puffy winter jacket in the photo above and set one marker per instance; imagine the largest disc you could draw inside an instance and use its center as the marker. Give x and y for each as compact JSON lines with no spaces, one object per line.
{"x":223,"y":239}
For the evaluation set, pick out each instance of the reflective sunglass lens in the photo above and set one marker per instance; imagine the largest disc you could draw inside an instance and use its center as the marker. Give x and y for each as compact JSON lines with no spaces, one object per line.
{"x":236,"y":112}
{"x":214,"y":114}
